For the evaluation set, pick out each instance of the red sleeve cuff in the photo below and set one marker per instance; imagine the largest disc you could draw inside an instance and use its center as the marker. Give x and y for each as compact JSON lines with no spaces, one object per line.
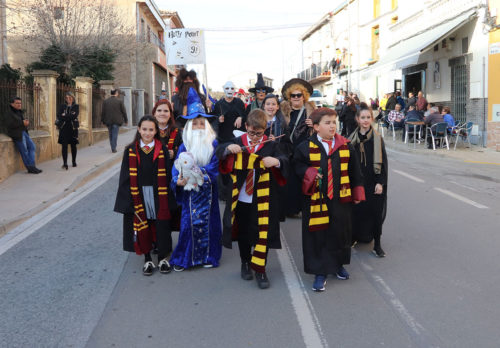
{"x":226,"y":165}
{"x":309,"y":182}
{"x":358,"y":193}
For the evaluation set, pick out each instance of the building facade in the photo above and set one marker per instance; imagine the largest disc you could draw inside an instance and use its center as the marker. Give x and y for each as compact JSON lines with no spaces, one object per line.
{"x":380,"y":46}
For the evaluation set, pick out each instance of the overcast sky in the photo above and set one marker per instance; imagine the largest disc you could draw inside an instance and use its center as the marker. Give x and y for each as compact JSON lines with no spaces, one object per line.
{"x":268,"y":51}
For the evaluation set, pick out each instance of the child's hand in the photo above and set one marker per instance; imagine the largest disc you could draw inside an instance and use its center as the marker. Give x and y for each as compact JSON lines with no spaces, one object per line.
{"x":234,"y":148}
{"x":272,"y":137}
{"x":379,"y":189}
{"x":171,"y":153}
{"x":181,"y":181}
{"x":270,"y":162}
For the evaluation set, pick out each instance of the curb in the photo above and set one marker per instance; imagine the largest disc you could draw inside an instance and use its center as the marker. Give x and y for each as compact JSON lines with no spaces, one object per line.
{"x":79,"y":181}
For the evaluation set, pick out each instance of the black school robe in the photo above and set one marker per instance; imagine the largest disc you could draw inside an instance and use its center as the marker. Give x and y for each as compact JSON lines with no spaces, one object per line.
{"x":147,"y":175}
{"x":229,"y":232}
{"x":325,"y":251}
{"x":175,"y":209}
{"x":368,"y":216}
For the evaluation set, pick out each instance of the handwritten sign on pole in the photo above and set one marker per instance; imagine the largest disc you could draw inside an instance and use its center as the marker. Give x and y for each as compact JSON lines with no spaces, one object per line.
{"x":185,"y":46}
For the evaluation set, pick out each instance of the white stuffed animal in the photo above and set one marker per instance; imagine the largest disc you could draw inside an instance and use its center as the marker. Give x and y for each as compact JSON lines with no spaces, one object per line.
{"x":187,"y":167}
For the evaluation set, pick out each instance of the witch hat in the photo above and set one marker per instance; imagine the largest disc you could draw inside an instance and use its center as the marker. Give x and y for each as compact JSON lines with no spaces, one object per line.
{"x":260,"y":85}
{"x":195,"y":107}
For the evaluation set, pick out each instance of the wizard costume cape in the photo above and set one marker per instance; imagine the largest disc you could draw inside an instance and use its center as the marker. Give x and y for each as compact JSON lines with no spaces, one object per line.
{"x":265,"y":232}
{"x":326,"y":223}
{"x":144,"y":169}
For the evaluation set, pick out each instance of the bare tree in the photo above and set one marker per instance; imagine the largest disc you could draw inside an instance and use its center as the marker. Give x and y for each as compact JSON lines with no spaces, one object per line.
{"x":74,"y":26}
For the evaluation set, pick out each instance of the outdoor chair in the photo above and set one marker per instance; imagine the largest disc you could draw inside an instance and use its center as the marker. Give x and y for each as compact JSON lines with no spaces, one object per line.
{"x":463,"y":133}
{"x":439,"y":132}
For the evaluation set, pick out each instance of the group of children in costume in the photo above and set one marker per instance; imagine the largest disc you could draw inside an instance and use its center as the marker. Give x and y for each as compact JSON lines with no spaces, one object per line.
{"x":168,"y":181}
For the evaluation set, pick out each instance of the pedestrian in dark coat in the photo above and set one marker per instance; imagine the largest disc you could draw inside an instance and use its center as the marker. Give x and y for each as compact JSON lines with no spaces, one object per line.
{"x":113,"y":116}
{"x":296,"y":108}
{"x":17,"y":129}
{"x":391,"y":102}
{"x":369,"y":216}
{"x":348,"y":117}
{"x":330,"y":189}
{"x":230,"y":112}
{"x":142,"y":197}
{"x":244,"y":204}
{"x":67,"y":123}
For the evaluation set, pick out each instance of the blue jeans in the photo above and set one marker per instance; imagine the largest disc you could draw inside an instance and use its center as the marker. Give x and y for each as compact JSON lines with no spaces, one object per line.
{"x":26,"y":148}
{"x":113,"y":135}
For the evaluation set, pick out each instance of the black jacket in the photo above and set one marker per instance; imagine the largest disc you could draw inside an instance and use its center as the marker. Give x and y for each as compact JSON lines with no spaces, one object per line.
{"x":68,"y":118}
{"x":14,"y":123}
{"x":391,"y":103}
{"x":231,"y":112}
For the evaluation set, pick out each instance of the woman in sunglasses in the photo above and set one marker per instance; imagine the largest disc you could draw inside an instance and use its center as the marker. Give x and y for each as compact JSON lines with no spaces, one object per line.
{"x":296,"y":109}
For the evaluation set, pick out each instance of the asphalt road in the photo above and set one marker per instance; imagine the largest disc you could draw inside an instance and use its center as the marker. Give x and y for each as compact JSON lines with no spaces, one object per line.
{"x":69,"y":284}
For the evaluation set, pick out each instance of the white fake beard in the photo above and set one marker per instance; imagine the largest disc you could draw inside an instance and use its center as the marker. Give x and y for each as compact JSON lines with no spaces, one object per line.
{"x":199,"y":143}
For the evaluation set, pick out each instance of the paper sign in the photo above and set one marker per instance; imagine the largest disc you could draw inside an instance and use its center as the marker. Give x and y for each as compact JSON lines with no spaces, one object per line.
{"x":495,"y":48}
{"x":185,"y":46}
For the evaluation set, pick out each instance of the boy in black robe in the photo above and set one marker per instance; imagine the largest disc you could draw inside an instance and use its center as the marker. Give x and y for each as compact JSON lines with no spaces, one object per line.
{"x":331,"y":182}
{"x":244,"y":219}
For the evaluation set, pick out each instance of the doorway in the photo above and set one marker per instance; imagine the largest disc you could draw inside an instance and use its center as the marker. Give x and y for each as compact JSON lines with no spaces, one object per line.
{"x":413,"y":83}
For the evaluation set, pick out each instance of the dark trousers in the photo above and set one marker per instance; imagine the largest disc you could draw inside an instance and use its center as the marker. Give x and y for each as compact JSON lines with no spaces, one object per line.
{"x":247,"y":221}
{"x":65,"y":153}
{"x":113,"y":135}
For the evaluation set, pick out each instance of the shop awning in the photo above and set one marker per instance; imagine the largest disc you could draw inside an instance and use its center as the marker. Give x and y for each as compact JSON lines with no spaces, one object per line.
{"x":406,"y":52}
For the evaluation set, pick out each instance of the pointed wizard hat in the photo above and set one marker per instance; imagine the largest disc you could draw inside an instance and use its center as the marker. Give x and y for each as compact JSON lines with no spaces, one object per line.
{"x":195,"y":107}
{"x":260,"y":85}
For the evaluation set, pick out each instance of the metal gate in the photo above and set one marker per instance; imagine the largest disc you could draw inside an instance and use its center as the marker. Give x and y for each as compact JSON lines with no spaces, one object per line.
{"x":459,"y":88}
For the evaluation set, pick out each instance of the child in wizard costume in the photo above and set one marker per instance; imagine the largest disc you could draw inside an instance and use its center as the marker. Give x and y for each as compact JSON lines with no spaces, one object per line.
{"x":256,"y":166}
{"x":331,"y":182}
{"x":199,"y":241}
{"x":142,"y":196}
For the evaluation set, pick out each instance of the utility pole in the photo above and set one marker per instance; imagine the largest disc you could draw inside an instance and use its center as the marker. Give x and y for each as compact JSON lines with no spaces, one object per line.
{"x":349,"y":88}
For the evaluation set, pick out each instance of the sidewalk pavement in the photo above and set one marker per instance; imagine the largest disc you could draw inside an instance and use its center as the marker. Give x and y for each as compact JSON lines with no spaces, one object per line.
{"x":476,"y":154}
{"x":23,"y":195}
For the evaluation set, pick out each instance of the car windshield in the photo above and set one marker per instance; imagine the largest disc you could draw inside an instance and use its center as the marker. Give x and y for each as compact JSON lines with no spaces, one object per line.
{"x":316,"y":93}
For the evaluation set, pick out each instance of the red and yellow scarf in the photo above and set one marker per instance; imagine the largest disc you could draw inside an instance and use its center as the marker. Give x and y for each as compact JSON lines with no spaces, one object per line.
{"x":144,"y":234}
{"x":171,"y":137}
{"x":319,"y":219}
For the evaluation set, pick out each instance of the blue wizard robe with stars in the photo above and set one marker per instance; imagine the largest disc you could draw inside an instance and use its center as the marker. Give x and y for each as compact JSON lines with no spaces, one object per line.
{"x":201,"y":232}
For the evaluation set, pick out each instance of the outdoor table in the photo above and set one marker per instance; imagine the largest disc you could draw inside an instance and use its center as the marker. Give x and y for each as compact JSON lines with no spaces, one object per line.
{"x":414,"y":124}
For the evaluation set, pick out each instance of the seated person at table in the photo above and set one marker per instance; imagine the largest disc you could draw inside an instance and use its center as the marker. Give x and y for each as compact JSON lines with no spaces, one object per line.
{"x":432,"y":119}
{"x":397,"y":117}
{"x":448,"y":118}
{"x":413,"y":116}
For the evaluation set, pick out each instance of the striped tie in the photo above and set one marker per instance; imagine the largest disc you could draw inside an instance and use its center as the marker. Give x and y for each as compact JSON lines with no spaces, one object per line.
{"x":249,"y":179}
{"x":330,"y":171}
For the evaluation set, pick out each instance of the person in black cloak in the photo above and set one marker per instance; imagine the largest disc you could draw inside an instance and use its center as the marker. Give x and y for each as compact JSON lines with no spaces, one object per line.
{"x":369,"y":216}
{"x":331,"y":180}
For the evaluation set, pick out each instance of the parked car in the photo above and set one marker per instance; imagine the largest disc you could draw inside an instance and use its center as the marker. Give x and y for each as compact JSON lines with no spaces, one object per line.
{"x":318,"y":98}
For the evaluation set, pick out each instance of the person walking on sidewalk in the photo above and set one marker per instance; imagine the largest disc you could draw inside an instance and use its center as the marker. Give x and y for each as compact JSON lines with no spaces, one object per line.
{"x":113,"y":115}
{"x":67,"y":123}
{"x":17,"y":129}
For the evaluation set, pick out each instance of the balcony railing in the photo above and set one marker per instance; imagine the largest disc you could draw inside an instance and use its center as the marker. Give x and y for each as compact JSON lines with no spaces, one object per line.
{"x":316,"y":69}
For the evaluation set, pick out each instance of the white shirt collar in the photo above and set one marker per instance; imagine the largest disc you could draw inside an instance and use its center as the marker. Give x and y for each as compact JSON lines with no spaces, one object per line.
{"x":151,"y":144}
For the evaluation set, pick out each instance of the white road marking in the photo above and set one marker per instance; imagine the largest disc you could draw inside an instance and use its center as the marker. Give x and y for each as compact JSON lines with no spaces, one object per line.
{"x":39,"y":220}
{"x":409,"y":176}
{"x":461,"y":198}
{"x":422,"y":337}
{"x":304,"y":310}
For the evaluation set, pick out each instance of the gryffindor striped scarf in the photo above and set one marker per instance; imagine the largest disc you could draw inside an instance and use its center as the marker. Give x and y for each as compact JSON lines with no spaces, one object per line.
{"x":249,"y":161}
{"x":319,"y":219}
{"x":144,"y":234}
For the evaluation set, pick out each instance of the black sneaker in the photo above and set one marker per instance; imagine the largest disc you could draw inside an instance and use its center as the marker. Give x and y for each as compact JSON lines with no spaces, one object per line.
{"x":164,"y":266}
{"x":246,"y":272}
{"x":262,"y":280}
{"x":38,"y":170}
{"x":378,"y":251}
{"x":148,"y":268}
{"x":32,"y":170}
